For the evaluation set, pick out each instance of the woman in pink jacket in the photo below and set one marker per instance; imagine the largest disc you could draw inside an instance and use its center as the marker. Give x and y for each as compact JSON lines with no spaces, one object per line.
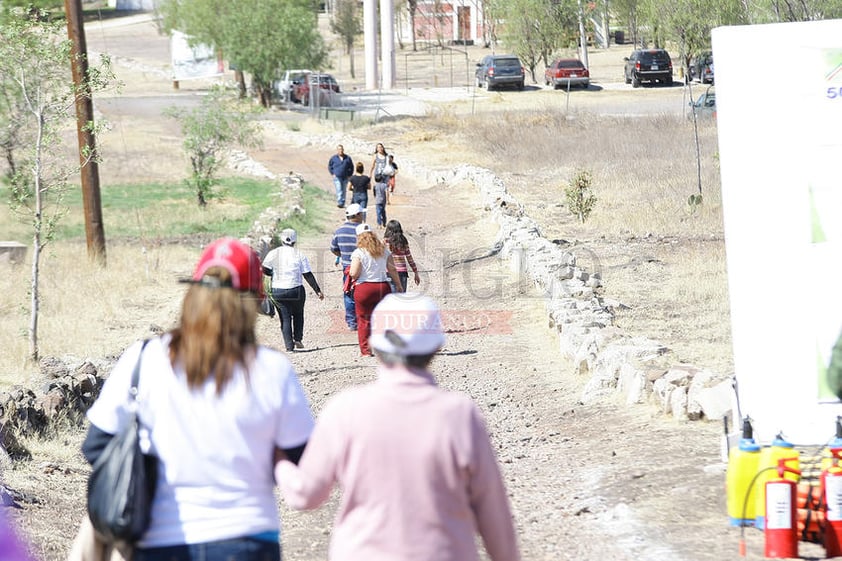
{"x":415,"y":462}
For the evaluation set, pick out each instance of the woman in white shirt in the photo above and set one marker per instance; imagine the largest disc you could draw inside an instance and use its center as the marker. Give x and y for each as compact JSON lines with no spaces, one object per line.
{"x":371,"y":267}
{"x":289,"y":269}
{"x":214,"y":407}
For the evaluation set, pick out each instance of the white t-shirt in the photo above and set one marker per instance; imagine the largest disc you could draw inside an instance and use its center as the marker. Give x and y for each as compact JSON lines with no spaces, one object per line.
{"x":373,"y":270}
{"x":288,"y":266}
{"x":215,"y":477}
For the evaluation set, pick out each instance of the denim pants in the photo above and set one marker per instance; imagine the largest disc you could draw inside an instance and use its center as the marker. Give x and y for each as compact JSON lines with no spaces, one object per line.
{"x":241,"y":549}
{"x":404,"y":276}
{"x":290,"y":305}
{"x":341,"y":186}
{"x":361,"y":199}
{"x":381,"y":215}
{"x":350,"y":308}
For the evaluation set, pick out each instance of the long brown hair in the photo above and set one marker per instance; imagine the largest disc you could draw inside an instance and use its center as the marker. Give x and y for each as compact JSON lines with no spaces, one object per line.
{"x":370,"y":242}
{"x":215,"y":333}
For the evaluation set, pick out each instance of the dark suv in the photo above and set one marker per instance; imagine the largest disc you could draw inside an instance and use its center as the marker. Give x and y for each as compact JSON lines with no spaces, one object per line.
{"x":648,"y":65}
{"x":500,"y":70}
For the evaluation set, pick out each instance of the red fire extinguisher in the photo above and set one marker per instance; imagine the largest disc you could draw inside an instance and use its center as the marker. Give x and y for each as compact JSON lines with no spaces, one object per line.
{"x":781,"y":531}
{"x":832,"y":484}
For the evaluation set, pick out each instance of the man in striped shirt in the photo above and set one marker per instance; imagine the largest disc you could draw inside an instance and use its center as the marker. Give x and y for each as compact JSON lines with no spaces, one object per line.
{"x":343,"y":243}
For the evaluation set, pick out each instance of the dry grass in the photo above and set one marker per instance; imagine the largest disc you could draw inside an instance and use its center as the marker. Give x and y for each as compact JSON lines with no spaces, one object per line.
{"x":86,"y":309}
{"x":657,"y":254}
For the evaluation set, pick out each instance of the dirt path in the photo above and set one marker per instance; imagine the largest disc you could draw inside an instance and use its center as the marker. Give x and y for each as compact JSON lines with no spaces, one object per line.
{"x":576,"y":474}
{"x":589,"y":482}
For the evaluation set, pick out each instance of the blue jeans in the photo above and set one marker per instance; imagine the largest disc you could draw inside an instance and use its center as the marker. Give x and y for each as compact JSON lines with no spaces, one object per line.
{"x":290,"y":305}
{"x":350,"y":308}
{"x":404,"y":276}
{"x":341,"y":186}
{"x":381,"y":215}
{"x":241,"y":549}
{"x":361,"y":199}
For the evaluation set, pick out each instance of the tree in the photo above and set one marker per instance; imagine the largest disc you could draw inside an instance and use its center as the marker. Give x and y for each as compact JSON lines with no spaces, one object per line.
{"x":804,"y":10}
{"x":412,"y":6}
{"x":346,"y":23}
{"x":210,"y":130}
{"x":689,"y":22}
{"x":260,"y":36}
{"x":38,"y":99}
{"x":535,"y":29}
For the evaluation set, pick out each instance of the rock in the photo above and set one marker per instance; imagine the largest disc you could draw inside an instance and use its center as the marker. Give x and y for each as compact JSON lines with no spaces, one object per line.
{"x":678,"y":403}
{"x":13,"y":253}
{"x":632,"y":383}
{"x":52,"y":367}
{"x":717,"y":401}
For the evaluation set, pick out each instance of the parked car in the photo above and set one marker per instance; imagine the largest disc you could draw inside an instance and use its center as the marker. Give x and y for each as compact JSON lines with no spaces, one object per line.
{"x":500,"y":70}
{"x":701,"y":68}
{"x":648,"y":65}
{"x":283,"y":87}
{"x":301,"y":91}
{"x":567,"y":72}
{"x":705,"y":106}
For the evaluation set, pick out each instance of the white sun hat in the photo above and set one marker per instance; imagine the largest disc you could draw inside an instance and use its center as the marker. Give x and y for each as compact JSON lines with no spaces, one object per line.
{"x":407,"y":324}
{"x":363,"y":228}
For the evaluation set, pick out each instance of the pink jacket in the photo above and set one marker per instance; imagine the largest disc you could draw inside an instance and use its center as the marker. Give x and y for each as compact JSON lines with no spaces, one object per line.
{"x":417,"y":471}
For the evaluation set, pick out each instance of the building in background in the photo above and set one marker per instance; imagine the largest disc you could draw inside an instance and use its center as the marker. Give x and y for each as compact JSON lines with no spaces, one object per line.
{"x":453,"y":22}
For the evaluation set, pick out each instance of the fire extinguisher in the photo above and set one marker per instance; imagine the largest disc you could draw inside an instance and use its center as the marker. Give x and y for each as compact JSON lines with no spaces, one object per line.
{"x":832,"y":484}
{"x":831,"y":493}
{"x":781,"y":531}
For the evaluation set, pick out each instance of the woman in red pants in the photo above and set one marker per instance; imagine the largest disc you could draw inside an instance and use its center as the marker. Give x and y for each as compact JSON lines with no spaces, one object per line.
{"x":371,"y":267}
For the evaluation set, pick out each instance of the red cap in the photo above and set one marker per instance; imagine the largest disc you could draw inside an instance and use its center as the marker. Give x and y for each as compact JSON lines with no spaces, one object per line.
{"x":239,"y":259}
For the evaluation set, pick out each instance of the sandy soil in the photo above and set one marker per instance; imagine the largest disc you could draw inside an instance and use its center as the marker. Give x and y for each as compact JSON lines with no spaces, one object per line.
{"x":586,"y":482}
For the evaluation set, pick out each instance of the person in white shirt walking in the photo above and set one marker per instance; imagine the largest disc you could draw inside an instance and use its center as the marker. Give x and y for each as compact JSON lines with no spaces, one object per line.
{"x":213,"y":406}
{"x":289,"y":269}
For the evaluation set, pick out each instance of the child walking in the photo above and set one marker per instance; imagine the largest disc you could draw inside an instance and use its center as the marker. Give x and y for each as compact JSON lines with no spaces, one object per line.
{"x":380,"y":189}
{"x":391,"y":165}
{"x":398,"y":246}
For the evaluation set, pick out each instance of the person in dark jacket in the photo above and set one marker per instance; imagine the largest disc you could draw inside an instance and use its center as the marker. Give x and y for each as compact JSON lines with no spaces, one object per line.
{"x":341,"y":168}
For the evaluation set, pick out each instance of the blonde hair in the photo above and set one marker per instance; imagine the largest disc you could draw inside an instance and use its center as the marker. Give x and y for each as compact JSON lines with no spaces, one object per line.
{"x":215,"y":332}
{"x":369,"y":242}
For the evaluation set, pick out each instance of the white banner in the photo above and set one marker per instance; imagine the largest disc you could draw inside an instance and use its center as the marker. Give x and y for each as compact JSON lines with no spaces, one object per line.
{"x":193,"y":62}
{"x":779,"y":115}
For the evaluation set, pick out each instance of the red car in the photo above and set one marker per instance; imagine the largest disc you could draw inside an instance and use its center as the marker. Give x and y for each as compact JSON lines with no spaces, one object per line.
{"x":301,"y":91}
{"x":566,"y":73}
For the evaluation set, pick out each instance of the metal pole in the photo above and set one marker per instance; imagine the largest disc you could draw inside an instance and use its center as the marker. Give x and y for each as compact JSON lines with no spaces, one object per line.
{"x":94,"y":229}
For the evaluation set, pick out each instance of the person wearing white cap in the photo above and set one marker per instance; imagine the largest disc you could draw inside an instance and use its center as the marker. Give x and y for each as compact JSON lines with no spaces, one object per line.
{"x":289,"y":269}
{"x":371,"y":268}
{"x":342,"y":244}
{"x":415,"y":463}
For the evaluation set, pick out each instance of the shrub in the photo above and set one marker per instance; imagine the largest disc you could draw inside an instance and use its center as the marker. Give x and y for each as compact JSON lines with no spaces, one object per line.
{"x":580,"y":197}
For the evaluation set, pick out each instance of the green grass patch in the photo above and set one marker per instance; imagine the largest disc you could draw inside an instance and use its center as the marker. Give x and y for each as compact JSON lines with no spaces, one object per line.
{"x":160,"y":210}
{"x":318,"y":204}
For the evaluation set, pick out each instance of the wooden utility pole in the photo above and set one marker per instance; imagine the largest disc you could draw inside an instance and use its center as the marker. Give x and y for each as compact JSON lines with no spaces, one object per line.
{"x":94,"y":229}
